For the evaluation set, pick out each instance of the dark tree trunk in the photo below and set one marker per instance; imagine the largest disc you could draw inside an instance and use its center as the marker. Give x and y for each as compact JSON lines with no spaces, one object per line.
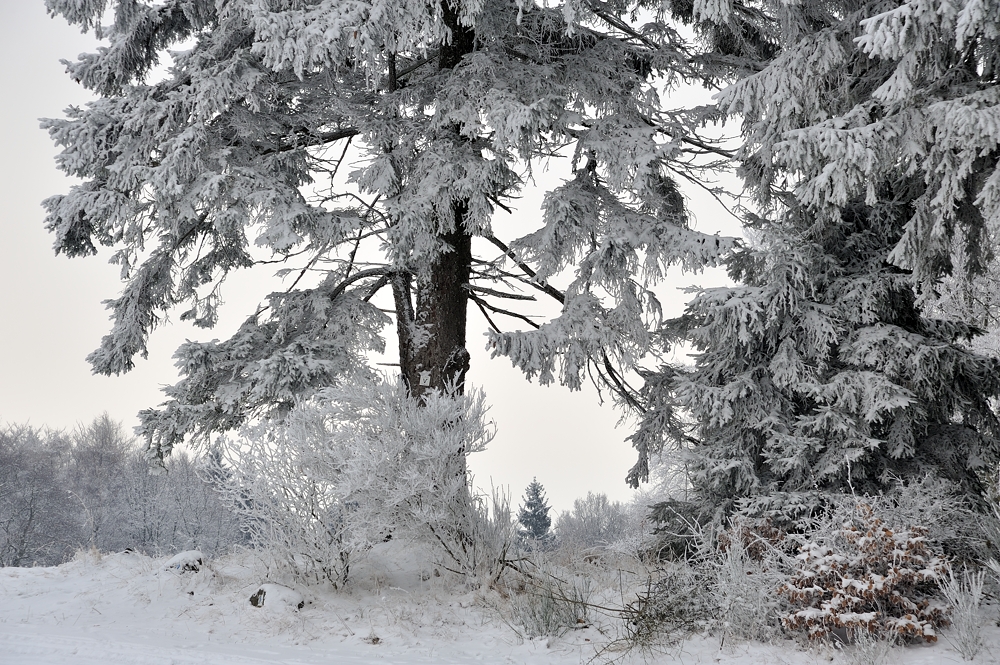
{"x":431,"y":306}
{"x":435,"y":354}
{"x":431,"y":328}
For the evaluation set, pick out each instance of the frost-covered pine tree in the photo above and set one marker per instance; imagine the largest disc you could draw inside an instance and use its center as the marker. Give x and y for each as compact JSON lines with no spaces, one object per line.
{"x":870,"y":144}
{"x":534,"y":513}
{"x":238,"y":155}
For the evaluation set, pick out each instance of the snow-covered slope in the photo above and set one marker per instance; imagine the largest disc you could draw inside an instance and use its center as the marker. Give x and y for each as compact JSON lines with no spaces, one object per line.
{"x":134,"y":610}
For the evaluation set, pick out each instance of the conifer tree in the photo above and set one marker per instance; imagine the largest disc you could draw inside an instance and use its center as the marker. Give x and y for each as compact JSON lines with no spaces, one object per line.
{"x":870,"y":145}
{"x":444,"y":108}
{"x":534,"y":512}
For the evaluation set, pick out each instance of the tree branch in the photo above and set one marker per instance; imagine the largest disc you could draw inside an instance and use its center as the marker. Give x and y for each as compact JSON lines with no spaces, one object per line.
{"x":545,"y":288}
{"x":482,"y":303}
{"x":361,"y":274}
{"x":486,"y":315}
{"x":376,"y":287}
{"x":307,"y":140}
{"x":497,"y":294}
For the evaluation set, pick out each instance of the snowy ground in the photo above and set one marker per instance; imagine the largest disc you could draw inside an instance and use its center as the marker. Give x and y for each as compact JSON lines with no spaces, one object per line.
{"x":129,"y":609}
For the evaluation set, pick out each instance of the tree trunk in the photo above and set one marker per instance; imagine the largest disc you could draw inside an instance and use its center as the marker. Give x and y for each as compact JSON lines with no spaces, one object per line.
{"x":432,"y":350}
{"x":431,"y":312}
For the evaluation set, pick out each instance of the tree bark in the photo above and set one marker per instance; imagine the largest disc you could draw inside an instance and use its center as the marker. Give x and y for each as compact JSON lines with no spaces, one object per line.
{"x":433,"y":354}
{"x":432,"y":344}
{"x":431,"y":312}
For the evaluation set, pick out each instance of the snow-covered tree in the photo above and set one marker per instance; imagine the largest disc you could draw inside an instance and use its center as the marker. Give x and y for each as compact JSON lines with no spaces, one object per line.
{"x":870,"y":146}
{"x":39,"y":517}
{"x":446,"y":109}
{"x":98,"y":460}
{"x":594,"y":522}
{"x":533,"y":515}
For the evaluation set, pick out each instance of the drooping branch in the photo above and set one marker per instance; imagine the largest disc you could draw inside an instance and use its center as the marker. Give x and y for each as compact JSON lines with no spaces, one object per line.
{"x":621,"y":387}
{"x":486,"y":315}
{"x":620,"y":25}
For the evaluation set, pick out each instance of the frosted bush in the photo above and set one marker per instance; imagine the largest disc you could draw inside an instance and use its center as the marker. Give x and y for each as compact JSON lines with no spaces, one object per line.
{"x":748,"y":570}
{"x":728,"y":582}
{"x":549,"y":605}
{"x":363,"y":463}
{"x":938,"y":506}
{"x":594,"y":522}
{"x":674,"y":604}
{"x":870,"y":648}
{"x":290,"y":510}
{"x":964,"y":595}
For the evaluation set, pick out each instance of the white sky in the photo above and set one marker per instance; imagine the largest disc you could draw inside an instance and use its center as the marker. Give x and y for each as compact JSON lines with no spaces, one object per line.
{"x":52,"y":312}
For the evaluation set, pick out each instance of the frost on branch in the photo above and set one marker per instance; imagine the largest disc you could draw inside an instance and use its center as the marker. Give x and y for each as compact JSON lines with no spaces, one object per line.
{"x":878,"y":103}
{"x":337,"y":138}
{"x":360,"y":463}
{"x":821,"y":372}
{"x":610,"y":311}
{"x":308,"y":342}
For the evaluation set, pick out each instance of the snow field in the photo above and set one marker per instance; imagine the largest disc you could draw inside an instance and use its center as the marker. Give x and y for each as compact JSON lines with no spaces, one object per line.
{"x":129,"y":609}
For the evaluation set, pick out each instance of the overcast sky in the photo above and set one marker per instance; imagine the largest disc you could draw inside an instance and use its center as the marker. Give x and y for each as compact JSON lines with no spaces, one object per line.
{"x":52,"y":312}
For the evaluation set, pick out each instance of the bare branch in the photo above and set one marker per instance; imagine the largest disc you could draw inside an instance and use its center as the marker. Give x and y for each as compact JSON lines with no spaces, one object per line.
{"x":486,"y":315}
{"x":621,"y":25}
{"x":506,"y":312}
{"x":497,"y":294}
{"x":545,"y":288}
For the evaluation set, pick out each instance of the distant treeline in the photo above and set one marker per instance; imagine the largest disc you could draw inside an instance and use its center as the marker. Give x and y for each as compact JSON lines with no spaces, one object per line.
{"x":90,"y":488}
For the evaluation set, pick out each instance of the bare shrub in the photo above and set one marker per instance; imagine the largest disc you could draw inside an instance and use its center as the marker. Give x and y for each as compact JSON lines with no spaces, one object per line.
{"x":727,"y":583}
{"x":551,"y":604}
{"x":748,"y":570}
{"x":870,"y":647}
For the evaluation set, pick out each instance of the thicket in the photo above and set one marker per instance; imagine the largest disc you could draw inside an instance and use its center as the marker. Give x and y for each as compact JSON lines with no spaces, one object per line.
{"x":360,"y":464}
{"x":91,"y":488}
{"x":595,"y":521}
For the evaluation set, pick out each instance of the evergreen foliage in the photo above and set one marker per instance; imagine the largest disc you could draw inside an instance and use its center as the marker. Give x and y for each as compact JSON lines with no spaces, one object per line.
{"x":445,"y":108}
{"x":534,"y":512}
{"x":870,"y":149}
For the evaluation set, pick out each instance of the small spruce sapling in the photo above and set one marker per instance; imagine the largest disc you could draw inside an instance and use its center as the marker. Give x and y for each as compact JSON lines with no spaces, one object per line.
{"x":534,"y":516}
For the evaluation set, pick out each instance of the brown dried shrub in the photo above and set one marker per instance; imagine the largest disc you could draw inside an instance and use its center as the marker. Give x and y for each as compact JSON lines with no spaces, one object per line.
{"x":869,"y":577}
